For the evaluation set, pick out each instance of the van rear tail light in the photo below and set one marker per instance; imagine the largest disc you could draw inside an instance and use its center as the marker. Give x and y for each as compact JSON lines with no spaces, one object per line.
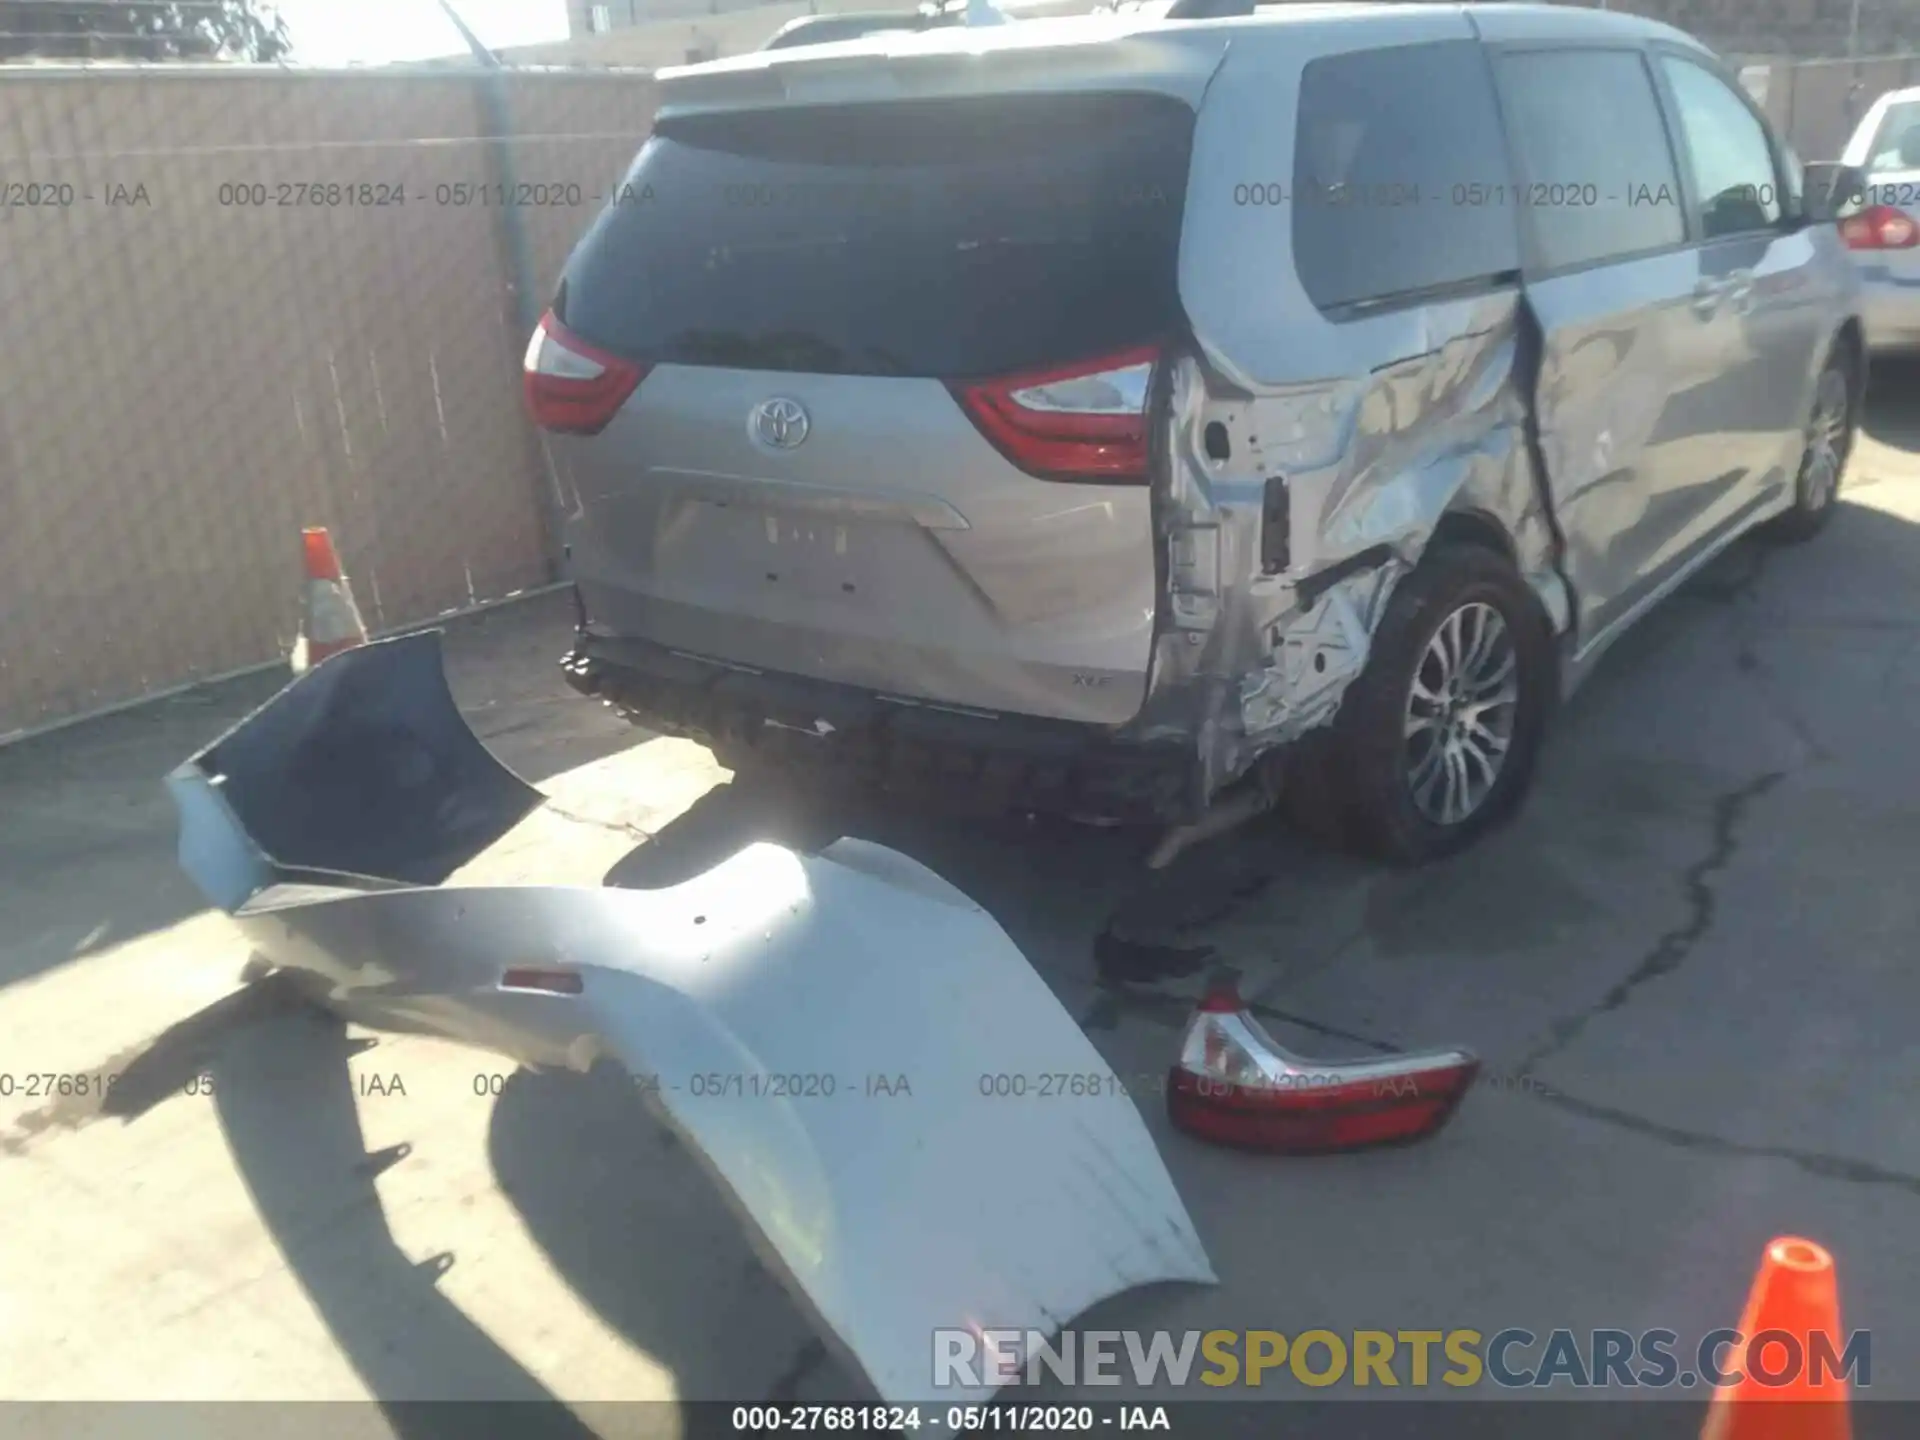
{"x":1234,"y":1084}
{"x":1086,"y":421}
{"x":1880,"y":227}
{"x":574,"y":388}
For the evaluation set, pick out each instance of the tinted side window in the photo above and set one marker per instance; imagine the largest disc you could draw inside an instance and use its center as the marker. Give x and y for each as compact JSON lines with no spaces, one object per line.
{"x":1385,"y":141}
{"x":1727,"y":152}
{"x":1591,"y":188}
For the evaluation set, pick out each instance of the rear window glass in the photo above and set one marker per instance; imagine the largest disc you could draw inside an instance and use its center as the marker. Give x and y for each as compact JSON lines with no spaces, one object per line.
{"x":953,"y":239}
{"x":1394,"y":153}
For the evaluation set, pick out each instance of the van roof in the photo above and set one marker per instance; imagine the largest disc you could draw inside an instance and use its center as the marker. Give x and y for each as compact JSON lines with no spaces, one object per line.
{"x":1102,"y":51}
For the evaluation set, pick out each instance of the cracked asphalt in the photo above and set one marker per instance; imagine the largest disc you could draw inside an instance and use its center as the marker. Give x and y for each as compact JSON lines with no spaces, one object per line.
{"x":1689,"y":966}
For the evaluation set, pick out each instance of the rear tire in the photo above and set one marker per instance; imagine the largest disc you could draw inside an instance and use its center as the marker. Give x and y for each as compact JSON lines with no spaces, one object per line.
{"x":1829,"y":441}
{"x":1436,"y":741}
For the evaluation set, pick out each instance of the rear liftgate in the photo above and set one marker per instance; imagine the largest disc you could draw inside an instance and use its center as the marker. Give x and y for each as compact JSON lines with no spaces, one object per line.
{"x":829,"y":1031}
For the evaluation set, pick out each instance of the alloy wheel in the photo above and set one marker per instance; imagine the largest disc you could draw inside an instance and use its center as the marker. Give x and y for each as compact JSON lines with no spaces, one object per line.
{"x":1826,"y":441}
{"x":1460,"y":713}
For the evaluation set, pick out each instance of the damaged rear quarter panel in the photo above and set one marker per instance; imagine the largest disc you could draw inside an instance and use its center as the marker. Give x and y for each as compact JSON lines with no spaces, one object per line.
{"x":1376,"y":426}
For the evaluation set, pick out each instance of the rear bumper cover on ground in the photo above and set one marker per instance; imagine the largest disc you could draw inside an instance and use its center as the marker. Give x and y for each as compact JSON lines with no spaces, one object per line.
{"x":964,"y":759}
{"x":824,"y":1031}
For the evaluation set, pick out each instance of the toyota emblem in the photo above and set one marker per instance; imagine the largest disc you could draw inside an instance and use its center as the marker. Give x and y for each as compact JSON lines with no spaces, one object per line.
{"x":780,"y":423}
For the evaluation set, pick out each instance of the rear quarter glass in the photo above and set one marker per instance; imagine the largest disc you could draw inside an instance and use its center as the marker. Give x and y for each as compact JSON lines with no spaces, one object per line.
{"x":944,"y":239}
{"x":1394,"y":150}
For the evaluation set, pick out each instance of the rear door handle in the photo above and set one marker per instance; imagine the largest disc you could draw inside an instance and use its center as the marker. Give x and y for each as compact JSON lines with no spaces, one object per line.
{"x":1739,"y":290}
{"x":1706,"y":298}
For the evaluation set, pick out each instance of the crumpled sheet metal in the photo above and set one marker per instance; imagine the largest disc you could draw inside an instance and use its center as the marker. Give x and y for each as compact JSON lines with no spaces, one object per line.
{"x":829,"y":1033}
{"x":1249,"y":661}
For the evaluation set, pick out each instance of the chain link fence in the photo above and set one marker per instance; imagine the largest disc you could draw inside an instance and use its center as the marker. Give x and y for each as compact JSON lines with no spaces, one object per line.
{"x":1802,"y":29}
{"x":1816,"y":104}
{"x":239,"y":300}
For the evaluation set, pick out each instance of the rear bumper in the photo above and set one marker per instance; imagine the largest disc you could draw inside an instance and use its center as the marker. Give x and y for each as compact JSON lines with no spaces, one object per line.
{"x":760,"y":1009}
{"x":971,"y":761}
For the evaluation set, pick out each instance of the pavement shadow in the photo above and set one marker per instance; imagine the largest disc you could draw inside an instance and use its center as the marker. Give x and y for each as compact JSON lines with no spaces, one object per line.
{"x":641,"y":1231}
{"x":284,"y":1098}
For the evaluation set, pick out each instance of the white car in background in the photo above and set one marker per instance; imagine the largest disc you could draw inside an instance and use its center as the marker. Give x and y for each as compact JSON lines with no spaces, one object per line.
{"x":1884,"y":232}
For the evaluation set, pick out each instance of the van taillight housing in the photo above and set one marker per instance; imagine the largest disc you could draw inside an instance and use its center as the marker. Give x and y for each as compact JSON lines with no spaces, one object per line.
{"x":1880,"y":227}
{"x":1235,"y":1085}
{"x":1086,"y":421}
{"x":572,"y":387}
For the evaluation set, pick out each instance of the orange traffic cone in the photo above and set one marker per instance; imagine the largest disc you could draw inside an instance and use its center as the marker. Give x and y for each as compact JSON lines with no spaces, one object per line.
{"x":332,"y":621}
{"x":1789,"y":1336}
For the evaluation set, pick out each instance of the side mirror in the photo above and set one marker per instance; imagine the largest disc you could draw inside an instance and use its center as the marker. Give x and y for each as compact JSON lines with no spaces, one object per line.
{"x":1833,"y":191}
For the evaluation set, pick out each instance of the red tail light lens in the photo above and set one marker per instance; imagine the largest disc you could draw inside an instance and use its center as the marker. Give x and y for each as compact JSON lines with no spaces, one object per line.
{"x":572,"y":387}
{"x":1076,"y":422}
{"x":1234,"y":1084}
{"x":1880,"y":227}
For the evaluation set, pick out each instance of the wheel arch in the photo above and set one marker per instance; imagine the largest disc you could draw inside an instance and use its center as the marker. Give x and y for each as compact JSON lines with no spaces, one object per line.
{"x":1466,"y":525}
{"x":1367,"y":744}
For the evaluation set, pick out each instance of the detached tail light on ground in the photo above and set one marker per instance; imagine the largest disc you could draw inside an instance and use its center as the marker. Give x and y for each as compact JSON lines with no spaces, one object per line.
{"x":1086,"y":421}
{"x":572,"y":387}
{"x":1234,"y":1084}
{"x":1880,"y":227}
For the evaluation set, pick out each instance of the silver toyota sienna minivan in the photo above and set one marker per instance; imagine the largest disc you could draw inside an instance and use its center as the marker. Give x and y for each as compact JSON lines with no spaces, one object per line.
{"x":1090,"y":416}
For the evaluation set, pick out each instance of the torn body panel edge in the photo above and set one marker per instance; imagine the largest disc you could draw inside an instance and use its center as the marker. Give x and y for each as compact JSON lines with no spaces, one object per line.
{"x":1287,"y":515}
